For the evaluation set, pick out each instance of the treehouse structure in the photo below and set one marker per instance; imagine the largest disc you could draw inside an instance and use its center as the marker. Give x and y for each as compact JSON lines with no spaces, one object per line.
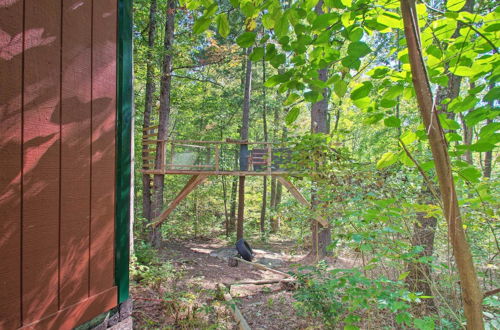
{"x":201,"y":159}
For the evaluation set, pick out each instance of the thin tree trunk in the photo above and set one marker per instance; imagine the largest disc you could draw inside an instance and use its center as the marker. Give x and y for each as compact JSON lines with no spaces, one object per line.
{"x":234,"y":190}
{"x":488,"y":158}
{"x":148,"y":109}
{"x":471,"y":292}
{"x":264,"y":124}
{"x":226,"y":213}
{"x":244,"y":147}
{"x":321,"y":236}
{"x":454,"y":82}
{"x":166,"y":84}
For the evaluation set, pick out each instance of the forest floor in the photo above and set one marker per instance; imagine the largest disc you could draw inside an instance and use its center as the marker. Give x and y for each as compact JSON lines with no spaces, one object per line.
{"x":190,"y":299}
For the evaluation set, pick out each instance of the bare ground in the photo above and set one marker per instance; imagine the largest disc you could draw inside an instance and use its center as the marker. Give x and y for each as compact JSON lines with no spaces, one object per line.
{"x":191,"y":301}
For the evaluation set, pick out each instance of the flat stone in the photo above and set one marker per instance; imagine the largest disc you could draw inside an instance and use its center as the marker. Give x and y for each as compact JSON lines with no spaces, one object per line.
{"x":224,"y":253}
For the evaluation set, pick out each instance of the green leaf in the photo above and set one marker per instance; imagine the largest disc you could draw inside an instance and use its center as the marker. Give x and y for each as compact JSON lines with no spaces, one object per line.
{"x":291,"y":99}
{"x":268,"y":21}
{"x":471,"y":174}
{"x":387,"y":159}
{"x":463,"y":71}
{"x":281,"y":26}
{"x":277,"y":60}
{"x":278,"y":79}
{"x":482,"y":146}
{"x":292,"y":115}
{"x":257,"y":54}
{"x":358,"y":49}
{"x":403,"y":276}
{"x":455,"y":5}
{"x":448,"y":123}
{"x":246,"y":39}
{"x":362,"y":91}
{"x":362,"y":103}
{"x":325,"y":20}
{"x":393,"y":92}
{"x":392,"y":121}
{"x":493,"y":94}
{"x":350,"y":327}
{"x":340,"y":88}
{"x":391,"y":20}
{"x":351,"y":62}
{"x":356,"y":34}
{"x":373,"y":119}
{"x":211,"y":10}
{"x":408,"y":137}
{"x":313,"y":96}
{"x":453,"y":137}
{"x":223,"y":25}
{"x":347,"y":3}
{"x":201,"y":25}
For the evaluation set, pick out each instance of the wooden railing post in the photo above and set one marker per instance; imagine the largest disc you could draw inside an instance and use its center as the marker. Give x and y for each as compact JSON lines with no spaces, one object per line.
{"x":269,"y":158}
{"x":217,"y":157}
{"x":172,"y":151}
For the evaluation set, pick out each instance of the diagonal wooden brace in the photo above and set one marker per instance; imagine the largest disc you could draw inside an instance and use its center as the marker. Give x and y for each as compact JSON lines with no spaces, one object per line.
{"x":302,"y":200}
{"x":193,"y":182}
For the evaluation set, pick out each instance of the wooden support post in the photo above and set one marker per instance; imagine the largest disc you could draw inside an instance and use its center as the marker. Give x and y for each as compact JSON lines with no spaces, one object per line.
{"x":296,"y":193}
{"x":190,"y":185}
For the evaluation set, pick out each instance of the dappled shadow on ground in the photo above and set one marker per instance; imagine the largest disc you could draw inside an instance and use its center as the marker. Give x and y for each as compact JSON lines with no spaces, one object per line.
{"x":203,"y":264}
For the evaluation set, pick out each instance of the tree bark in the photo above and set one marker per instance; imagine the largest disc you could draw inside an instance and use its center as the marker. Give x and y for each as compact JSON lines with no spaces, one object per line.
{"x":234,"y":190}
{"x":264,"y":126}
{"x":471,"y":292}
{"x":164,"y":118}
{"x":244,"y":147}
{"x":424,"y":229}
{"x":321,"y":236}
{"x":226,"y":213}
{"x":148,"y":109}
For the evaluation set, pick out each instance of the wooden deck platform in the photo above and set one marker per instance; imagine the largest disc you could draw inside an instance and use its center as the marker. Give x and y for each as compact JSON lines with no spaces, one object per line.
{"x":201,"y":159}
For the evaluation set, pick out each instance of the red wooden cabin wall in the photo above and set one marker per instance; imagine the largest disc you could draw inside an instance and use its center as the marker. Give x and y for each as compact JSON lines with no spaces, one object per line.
{"x":57,"y":161}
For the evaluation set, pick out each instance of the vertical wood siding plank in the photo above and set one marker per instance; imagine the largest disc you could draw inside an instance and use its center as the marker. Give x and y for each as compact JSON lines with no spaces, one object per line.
{"x":11,"y":47}
{"x":41,"y":152}
{"x":75,"y":150}
{"x":103,"y":146}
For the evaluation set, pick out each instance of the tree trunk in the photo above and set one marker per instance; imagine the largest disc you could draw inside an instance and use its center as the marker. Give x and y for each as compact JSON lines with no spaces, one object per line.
{"x":226,"y":213}
{"x":166,"y":84}
{"x":454,"y":82}
{"x":148,"y":109}
{"x":244,"y":147}
{"x":232,"y":211}
{"x":424,"y":229}
{"x":264,"y":124}
{"x":321,"y":236}
{"x":471,"y":292}
{"x":488,"y":158}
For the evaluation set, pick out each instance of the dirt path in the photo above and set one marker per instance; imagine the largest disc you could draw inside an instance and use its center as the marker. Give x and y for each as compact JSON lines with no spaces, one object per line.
{"x":192,"y":301}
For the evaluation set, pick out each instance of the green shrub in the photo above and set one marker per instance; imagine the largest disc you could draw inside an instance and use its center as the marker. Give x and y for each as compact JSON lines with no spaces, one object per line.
{"x":346,"y":296}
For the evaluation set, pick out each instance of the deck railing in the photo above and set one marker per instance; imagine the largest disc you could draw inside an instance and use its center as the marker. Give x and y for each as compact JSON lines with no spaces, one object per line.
{"x":181,"y":156}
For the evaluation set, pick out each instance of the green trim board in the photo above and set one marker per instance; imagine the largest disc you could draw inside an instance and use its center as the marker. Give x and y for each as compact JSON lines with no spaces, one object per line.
{"x":123,"y":148}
